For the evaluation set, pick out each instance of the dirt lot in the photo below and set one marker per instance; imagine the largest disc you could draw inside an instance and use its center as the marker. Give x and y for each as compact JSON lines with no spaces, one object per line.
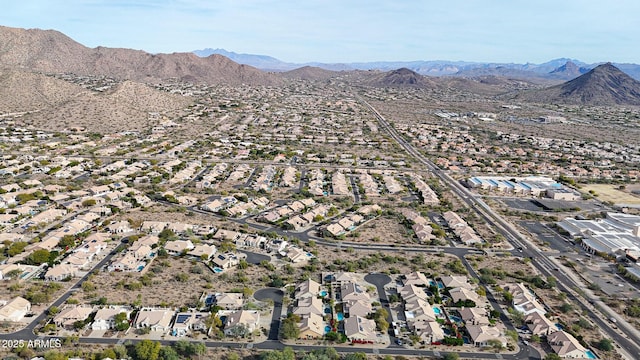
{"x":171,"y":281}
{"x":384,"y":229}
{"x":611,"y":193}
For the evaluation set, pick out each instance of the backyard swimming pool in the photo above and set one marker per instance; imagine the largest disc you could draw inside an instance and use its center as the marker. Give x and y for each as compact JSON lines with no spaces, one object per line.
{"x":436,"y":310}
{"x":340,"y":316}
{"x":590,"y":354}
{"x":217,"y":270}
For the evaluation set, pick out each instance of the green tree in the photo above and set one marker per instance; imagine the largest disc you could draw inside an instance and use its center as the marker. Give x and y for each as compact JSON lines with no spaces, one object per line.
{"x":566,"y":307}
{"x":16,"y":248}
{"x":54,"y":355}
{"x":67,"y":241}
{"x":331,"y":336}
{"x":121,"y":321}
{"x":108,"y":353}
{"x":289,"y":328}
{"x":167,"y":234}
{"x":88,"y":286}
{"x":356,"y":356}
{"x":88,"y":202}
{"x":552,"y":356}
{"x":604,"y":345}
{"x":53,"y":311}
{"x":39,"y":257}
{"x":451,"y":356}
{"x":168,"y":353}
{"x":147,"y":350}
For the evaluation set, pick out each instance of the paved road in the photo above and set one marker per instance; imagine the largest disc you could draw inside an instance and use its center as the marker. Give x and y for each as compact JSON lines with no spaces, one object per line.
{"x":255,"y":258}
{"x":354,"y":188}
{"x":276,"y":295}
{"x":379,"y":281}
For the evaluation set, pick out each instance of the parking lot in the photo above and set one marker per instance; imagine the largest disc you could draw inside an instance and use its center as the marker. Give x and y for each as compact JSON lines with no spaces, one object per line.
{"x":545,"y":234}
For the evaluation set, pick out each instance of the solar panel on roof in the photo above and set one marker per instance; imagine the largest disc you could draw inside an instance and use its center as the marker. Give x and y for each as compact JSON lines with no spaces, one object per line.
{"x":182,"y":318}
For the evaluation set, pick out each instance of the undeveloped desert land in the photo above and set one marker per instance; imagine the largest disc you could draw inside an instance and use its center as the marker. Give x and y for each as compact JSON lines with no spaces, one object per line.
{"x":612,"y":193}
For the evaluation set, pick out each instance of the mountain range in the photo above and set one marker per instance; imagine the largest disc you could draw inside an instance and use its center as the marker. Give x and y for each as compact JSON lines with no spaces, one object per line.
{"x":553,"y":69}
{"x":50,"y":51}
{"x":26,"y":55}
{"x":603,"y":85}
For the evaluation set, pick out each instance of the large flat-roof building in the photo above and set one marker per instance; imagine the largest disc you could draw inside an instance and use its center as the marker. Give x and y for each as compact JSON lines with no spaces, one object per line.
{"x":616,"y":234}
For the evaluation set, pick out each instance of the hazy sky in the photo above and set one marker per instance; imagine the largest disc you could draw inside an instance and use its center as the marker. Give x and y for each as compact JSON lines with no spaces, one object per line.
{"x":349,"y":30}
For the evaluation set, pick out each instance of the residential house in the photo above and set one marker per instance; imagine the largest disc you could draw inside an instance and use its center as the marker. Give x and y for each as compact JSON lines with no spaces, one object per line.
{"x":180,"y":228}
{"x":178,"y":247}
{"x":357,"y":308}
{"x":346,"y":223}
{"x":468,"y":236}
{"x":416,"y":278}
{"x":297,"y":255}
{"x":99,"y":190}
{"x":105,"y":317}
{"x":148,"y":240}
{"x":309,"y":305}
{"x":153,"y":227}
{"x":203,"y":251}
{"x":226,"y":261}
{"x":539,"y":324}
{"x":335,"y":229}
{"x":566,"y":346}
{"x":474,"y":316}
{"x":307,"y":288}
{"x":423,"y":232}
{"x":141,"y":251}
{"x":481,"y":335}
{"x":214,"y":206}
{"x":156,"y":319}
{"x":80,"y":260}
{"x":311,"y":327}
{"x":353,"y":291}
{"x":418,"y":311}
{"x":127,"y":263}
{"x":462,"y":294}
{"x":409,"y":292}
{"x":454,"y":220}
{"x":297,"y":222}
{"x":15,"y":309}
{"x":61,"y":272}
{"x":70,"y":314}
{"x":119,"y":227}
{"x":189,"y":321}
{"x":341,"y":278}
{"x":369,"y":210}
{"x":360,"y":329}
{"x":429,"y":332}
{"x":241,"y":322}
{"x":277,"y":245}
{"x":456,"y":281}
{"x":524,"y":300}
{"x":229,"y":301}
{"x":296,"y":206}
{"x":20,"y":269}
{"x":223,"y":234}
